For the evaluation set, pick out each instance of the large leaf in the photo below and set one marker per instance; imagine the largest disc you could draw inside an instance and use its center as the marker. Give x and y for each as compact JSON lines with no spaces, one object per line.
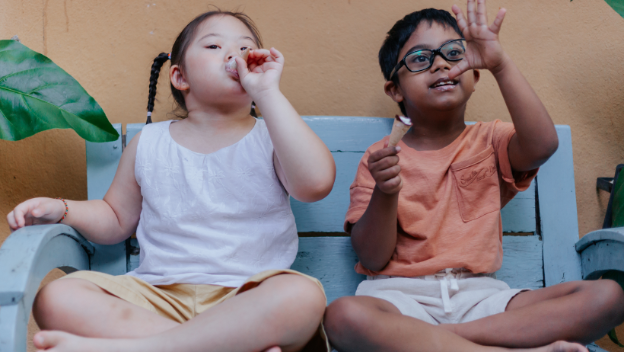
{"x":37,"y":95}
{"x":617,"y":5}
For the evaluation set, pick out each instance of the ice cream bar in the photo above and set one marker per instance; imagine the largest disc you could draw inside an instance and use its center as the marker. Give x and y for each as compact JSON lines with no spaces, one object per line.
{"x":231,"y":65}
{"x":400,"y":127}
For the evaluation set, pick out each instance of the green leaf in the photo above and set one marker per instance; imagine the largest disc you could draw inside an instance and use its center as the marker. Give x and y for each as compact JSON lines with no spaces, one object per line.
{"x":614,"y":338}
{"x":37,"y":95}
{"x":618,"y":277}
{"x":617,"y":5}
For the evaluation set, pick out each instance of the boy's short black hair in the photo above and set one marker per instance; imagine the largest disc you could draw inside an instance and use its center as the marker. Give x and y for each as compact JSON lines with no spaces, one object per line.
{"x":400,"y":33}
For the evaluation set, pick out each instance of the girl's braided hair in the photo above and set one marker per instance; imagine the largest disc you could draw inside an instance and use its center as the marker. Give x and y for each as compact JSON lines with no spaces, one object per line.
{"x":178,"y":53}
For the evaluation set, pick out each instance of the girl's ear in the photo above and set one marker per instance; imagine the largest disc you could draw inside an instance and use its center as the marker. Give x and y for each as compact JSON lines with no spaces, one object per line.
{"x":393,"y":91}
{"x":177,"y":78}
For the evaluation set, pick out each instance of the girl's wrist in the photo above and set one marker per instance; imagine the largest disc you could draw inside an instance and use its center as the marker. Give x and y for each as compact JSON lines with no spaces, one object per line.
{"x":264,"y":95}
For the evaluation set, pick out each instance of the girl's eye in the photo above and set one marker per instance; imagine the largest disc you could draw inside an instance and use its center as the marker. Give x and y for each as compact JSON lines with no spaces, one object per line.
{"x":212,"y":47}
{"x":244,"y":48}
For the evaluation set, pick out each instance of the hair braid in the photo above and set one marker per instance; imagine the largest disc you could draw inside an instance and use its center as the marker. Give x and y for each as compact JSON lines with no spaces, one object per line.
{"x":156,"y":66}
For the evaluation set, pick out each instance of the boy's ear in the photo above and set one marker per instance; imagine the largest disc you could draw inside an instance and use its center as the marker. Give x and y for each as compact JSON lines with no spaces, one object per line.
{"x":477,"y":75}
{"x":393,"y":91}
{"x":177,"y":78}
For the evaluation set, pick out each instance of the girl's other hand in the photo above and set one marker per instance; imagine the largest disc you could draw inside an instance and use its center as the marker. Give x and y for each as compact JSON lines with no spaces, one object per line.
{"x":262,"y":72}
{"x":36,"y":211}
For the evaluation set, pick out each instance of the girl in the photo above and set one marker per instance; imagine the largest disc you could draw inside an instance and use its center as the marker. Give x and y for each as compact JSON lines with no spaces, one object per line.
{"x":208,"y":198}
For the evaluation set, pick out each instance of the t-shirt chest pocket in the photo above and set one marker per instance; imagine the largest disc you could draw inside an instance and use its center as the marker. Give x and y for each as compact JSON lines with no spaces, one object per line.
{"x":476,"y":185}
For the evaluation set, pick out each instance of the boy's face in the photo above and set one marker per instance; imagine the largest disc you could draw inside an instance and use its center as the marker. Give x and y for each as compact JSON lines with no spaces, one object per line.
{"x":420,"y":91}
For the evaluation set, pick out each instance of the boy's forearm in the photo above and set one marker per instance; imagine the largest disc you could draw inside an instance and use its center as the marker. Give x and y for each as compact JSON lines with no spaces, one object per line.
{"x":536,"y":138}
{"x":96,"y":221}
{"x":374,"y":236}
{"x":306,"y":161}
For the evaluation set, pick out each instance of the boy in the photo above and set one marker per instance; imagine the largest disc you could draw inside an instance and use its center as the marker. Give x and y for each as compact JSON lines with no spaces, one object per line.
{"x":426,"y":226}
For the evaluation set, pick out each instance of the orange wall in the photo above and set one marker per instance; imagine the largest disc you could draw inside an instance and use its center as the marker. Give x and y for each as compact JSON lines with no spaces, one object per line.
{"x":570,"y":51}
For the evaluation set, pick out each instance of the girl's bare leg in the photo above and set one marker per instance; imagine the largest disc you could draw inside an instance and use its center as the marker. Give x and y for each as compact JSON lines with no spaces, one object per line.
{"x":581,"y":311}
{"x":284,"y":311}
{"x":365,"y":324}
{"x":82,"y":308}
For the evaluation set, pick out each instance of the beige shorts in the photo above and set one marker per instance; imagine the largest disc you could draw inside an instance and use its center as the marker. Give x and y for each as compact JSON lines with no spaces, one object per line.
{"x":444,"y":298}
{"x":182,"y":302}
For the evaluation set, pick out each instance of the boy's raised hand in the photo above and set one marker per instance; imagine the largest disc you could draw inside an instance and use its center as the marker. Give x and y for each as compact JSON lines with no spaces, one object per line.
{"x":261,"y":72}
{"x":384,"y":166}
{"x":483,"y":47}
{"x":36,"y":211}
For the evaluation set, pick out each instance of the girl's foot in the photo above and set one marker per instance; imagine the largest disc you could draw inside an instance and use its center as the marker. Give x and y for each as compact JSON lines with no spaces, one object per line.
{"x":58,"y":341}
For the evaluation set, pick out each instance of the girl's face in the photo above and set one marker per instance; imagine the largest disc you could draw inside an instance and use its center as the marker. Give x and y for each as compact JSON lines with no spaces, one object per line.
{"x":204,"y":79}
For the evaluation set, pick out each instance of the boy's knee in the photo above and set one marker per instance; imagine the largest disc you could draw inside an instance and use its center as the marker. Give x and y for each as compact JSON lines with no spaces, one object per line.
{"x":610,"y":295}
{"x":346,"y":317}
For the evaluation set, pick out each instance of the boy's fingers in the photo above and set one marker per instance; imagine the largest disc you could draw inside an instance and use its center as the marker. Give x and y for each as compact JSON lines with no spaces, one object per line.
{"x":382,"y":153}
{"x":461,"y":21}
{"x":498,"y":21}
{"x":470,"y":12}
{"x":481,"y":13}
{"x":384,"y":163}
{"x":388,"y":174}
{"x":458,"y":69}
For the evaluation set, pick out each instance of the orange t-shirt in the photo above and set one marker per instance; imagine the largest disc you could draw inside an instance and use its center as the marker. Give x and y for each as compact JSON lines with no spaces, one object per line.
{"x":449,"y":207}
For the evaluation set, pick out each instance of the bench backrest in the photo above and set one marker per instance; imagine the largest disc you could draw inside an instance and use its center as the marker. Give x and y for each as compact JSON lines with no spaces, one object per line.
{"x":540,"y":224}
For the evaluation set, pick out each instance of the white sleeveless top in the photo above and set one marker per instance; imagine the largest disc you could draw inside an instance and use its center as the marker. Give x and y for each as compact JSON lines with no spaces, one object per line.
{"x":214,"y":218}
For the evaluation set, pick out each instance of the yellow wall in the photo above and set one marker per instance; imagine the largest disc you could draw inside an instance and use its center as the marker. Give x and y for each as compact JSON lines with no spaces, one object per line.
{"x":570,"y":51}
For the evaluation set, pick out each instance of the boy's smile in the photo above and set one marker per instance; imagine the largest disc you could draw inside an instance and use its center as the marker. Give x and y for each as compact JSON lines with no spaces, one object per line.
{"x":431,"y":89}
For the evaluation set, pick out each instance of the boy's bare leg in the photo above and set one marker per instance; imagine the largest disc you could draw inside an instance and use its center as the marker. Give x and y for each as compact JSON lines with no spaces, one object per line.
{"x":581,"y":311}
{"x":82,"y":308}
{"x":364,"y":324}
{"x":284,"y":311}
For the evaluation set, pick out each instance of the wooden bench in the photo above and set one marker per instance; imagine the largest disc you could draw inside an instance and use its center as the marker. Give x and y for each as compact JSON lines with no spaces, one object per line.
{"x":540,"y":225}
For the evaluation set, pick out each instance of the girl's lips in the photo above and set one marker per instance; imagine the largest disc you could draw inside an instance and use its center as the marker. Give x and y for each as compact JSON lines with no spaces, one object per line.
{"x":233,"y":73}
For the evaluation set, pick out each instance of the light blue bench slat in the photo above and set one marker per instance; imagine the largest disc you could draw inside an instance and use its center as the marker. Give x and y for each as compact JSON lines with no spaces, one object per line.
{"x":349,"y":133}
{"x":102,"y":162}
{"x":519,"y":214}
{"x":132,"y":129}
{"x":522,"y":262}
{"x":558,"y":217}
{"x":332,"y":261}
{"x":26,"y":257}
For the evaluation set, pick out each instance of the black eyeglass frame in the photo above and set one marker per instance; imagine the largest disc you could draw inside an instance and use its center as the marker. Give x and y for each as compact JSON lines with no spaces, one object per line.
{"x":435,"y":52}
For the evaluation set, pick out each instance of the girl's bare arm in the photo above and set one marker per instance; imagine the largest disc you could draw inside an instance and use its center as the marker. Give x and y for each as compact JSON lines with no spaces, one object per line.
{"x":106,"y":221}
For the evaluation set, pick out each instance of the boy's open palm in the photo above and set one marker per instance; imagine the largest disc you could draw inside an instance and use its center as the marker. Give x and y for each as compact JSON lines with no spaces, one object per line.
{"x":384,"y":166}
{"x":483,"y":47}
{"x":261,"y":72}
{"x":36,"y":211}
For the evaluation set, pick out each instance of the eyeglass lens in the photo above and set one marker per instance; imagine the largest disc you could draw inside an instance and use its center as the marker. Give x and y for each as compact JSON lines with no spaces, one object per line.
{"x":422,"y":59}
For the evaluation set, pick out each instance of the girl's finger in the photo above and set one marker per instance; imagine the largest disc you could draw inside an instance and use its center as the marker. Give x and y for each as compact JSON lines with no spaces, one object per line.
{"x":458,"y":69}
{"x":241,"y":67}
{"x":481,"y":13}
{"x":277,"y":56}
{"x":461,"y":21}
{"x":11,"y":221}
{"x":498,"y":21}
{"x":472,"y":18}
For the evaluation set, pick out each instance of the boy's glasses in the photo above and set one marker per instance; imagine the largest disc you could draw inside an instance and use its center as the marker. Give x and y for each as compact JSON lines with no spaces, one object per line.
{"x":422,"y":59}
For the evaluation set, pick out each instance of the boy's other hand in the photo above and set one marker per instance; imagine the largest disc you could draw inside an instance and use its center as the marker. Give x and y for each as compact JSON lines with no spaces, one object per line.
{"x":36,"y":211}
{"x":384,"y":166}
{"x":483,"y":47}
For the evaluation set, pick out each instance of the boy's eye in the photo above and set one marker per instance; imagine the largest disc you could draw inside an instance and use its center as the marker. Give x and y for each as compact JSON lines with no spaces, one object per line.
{"x":419,"y":58}
{"x":454,"y":53}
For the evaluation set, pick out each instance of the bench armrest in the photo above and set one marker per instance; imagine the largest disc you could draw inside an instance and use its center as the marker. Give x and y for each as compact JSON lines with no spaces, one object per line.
{"x":26,"y":257}
{"x":601,"y":251}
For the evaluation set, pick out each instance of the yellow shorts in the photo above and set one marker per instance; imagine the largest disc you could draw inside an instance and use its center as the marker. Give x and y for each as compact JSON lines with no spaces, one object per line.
{"x":181,"y":302}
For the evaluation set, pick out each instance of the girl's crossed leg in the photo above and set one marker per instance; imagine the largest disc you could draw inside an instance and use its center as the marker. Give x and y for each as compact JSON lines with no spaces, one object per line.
{"x":284,"y":311}
{"x":364,"y":323}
